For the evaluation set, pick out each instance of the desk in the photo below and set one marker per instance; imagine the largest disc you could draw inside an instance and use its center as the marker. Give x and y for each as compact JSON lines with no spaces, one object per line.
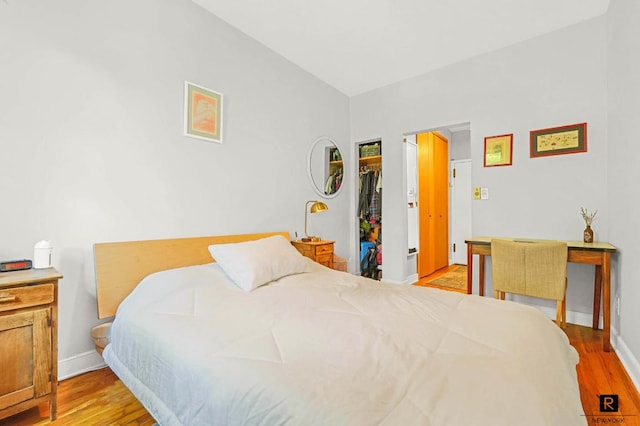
{"x":598,"y":254}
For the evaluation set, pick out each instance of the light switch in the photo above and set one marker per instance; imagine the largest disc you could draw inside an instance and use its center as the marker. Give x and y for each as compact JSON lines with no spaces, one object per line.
{"x":484,"y":193}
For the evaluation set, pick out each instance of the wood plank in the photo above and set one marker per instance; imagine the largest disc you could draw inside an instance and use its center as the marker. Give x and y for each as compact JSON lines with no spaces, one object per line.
{"x":97,"y":397}
{"x":602,"y":373}
{"x":41,"y":352}
{"x":23,"y":297}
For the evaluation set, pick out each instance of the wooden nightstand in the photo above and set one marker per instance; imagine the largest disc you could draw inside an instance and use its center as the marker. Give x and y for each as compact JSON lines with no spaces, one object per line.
{"x":319,"y":251}
{"x":29,"y":340}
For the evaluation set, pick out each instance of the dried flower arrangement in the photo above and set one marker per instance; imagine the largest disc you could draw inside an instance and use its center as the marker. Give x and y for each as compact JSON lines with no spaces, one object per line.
{"x":588,"y":217}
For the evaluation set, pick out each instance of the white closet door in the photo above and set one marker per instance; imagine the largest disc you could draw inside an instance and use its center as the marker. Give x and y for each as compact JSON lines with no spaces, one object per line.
{"x":461,"y":197}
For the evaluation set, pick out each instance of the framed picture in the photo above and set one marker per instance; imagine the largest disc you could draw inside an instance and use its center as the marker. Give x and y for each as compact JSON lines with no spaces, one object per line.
{"x":497,"y":150}
{"x":202,"y":113}
{"x":559,"y":140}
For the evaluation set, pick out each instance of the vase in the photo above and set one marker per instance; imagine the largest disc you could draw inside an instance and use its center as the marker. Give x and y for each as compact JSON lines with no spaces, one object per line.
{"x":588,"y":234}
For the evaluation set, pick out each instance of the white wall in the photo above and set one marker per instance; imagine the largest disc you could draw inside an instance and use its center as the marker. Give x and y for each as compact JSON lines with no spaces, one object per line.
{"x":624,"y":175}
{"x":91,"y":104}
{"x":460,"y":145}
{"x":548,"y":81}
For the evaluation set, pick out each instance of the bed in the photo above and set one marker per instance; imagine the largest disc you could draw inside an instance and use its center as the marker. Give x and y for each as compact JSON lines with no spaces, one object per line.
{"x":204,"y":342}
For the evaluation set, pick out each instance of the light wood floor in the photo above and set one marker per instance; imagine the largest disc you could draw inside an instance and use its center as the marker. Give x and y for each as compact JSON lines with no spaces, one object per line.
{"x":94,"y":398}
{"x":99,"y":398}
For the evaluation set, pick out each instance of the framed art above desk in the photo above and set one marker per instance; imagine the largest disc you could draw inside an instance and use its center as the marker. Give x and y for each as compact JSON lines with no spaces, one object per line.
{"x":597,"y":253}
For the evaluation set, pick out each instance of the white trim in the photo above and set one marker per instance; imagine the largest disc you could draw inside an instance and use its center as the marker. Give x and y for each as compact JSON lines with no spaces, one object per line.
{"x":629,"y":362}
{"x":413,"y":278}
{"x":578,"y":318}
{"x":405,"y":282}
{"x":78,"y":364}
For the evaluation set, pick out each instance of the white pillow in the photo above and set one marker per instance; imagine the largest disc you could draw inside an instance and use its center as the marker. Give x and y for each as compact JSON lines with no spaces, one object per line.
{"x":251,"y":264}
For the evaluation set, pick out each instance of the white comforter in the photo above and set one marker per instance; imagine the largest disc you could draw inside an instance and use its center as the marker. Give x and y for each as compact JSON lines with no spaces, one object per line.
{"x":331,"y":348}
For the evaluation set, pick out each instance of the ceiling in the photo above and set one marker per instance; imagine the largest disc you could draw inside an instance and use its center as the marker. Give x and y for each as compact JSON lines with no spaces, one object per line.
{"x":360,"y":45}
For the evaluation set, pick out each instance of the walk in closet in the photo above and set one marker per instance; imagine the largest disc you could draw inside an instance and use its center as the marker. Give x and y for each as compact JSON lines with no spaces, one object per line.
{"x":369,"y":208}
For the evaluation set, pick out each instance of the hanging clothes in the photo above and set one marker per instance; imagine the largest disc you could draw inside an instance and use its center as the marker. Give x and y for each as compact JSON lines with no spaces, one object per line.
{"x":338,"y":180}
{"x":379,"y":191}
{"x":366,"y":190}
{"x":334,"y":181}
{"x":328,"y":187}
{"x":370,"y":197}
{"x":374,"y":208}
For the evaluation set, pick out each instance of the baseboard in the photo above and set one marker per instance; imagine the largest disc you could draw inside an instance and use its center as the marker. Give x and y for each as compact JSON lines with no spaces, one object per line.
{"x":412,"y":279}
{"x":630,"y":362}
{"x":578,"y":318}
{"x":408,"y":281}
{"x":78,"y":364}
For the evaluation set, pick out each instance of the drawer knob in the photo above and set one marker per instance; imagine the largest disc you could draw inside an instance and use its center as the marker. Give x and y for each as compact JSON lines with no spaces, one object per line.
{"x":4,"y":298}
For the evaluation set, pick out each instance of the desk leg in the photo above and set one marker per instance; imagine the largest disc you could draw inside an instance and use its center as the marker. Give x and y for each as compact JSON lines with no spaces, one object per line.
{"x":481,"y":275}
{"x":469,"y":270}
{"x":606,"y":302}
{"x":597,"y":291}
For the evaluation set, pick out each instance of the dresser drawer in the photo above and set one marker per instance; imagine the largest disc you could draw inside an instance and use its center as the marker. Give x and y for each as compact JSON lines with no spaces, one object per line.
{"x":305,"y":250}
{"x":324,"y":249}
{"x":325,"y":259}
{"x":23,"y":297}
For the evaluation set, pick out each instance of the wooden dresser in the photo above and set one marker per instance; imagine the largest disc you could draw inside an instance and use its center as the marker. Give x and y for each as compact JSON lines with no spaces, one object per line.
{"x":28,"y":340}
{"x":319,"y":251}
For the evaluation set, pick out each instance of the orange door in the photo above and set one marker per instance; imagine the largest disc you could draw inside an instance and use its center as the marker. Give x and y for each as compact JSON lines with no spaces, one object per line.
{"x":426,"y":263}
{"x":441,"y":202}
{"x":433,"y":202}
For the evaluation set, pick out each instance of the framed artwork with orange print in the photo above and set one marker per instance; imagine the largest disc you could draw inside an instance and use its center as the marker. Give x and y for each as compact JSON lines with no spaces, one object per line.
{"x":202,"y":113}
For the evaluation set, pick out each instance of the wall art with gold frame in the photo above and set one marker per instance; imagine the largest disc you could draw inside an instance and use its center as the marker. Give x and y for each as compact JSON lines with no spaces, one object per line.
{"x":498,"y":150}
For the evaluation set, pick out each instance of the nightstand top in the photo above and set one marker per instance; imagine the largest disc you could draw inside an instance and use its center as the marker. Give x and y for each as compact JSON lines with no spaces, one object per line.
{"x":29,"y":276}
{"x":314,"y":243}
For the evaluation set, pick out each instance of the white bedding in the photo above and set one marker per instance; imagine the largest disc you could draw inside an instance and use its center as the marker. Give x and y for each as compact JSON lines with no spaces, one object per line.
{"x":327,"y":347}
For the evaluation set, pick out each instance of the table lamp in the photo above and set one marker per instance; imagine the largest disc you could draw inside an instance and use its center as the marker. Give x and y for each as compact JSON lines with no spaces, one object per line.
{"x":316,"y":207}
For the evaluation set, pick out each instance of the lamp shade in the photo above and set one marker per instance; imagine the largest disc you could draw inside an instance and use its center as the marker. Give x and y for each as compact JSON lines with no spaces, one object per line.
{"x":318,"y":207}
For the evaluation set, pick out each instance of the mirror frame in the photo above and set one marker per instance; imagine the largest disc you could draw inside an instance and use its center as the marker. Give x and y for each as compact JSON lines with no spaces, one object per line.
{"x":320,"y":191}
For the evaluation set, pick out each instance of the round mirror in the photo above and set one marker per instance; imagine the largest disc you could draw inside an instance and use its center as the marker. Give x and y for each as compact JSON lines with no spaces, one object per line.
{"x":325,"y":167}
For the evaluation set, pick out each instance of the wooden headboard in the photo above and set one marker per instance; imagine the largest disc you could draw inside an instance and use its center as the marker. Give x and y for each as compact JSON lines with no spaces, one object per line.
{"x":120,"y":266}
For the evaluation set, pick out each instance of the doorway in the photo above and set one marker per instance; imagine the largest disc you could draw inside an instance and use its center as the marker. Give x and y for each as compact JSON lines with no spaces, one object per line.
{"x":369,"y":208}
{"x":459,"y":190}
